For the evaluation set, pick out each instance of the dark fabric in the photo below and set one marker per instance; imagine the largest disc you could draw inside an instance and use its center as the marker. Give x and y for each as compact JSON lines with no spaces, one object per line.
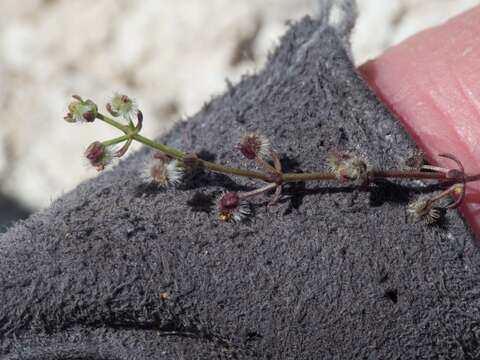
{"x":118,"y":269}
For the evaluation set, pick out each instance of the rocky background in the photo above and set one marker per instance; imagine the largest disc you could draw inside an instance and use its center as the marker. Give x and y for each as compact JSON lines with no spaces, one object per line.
{"x":171,"y":55}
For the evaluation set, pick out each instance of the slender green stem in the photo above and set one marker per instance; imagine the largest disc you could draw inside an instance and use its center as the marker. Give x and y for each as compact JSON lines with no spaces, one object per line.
{"x":180,"y":155}
{"x":265,"y":165}
{"x":113,"y":123}
{"x":203,"y":163}
{"x":177,"y":154}
{"x":131,"y":133}
{"x":115,"y":140}
{"x":276,"y":160}
{"x":300,"y":177}
{"x":234,"y":171}
{"x":258,"y":191}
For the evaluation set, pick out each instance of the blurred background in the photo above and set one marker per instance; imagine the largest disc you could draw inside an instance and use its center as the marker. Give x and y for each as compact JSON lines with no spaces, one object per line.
{"x":170,"y":55}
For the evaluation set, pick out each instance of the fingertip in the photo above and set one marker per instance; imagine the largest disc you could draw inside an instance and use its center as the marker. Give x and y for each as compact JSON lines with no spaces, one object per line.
{"x":431,"y":82}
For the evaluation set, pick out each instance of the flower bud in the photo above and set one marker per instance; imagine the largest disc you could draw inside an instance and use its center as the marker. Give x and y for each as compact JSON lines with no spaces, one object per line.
{"x":98,"y":155}
{"x":231,"y":207}
{"x":81,"y":111}
{"x":253,"y":145}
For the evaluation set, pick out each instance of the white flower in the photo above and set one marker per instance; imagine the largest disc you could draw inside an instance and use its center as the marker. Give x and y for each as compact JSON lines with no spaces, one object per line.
{"x":123,"y":106}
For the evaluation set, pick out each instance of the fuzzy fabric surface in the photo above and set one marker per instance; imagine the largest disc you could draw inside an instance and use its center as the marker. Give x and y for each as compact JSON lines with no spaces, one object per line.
{"x":118,"y":269}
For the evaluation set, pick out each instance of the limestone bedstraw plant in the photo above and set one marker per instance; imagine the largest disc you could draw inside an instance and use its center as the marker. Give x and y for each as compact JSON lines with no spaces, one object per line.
{"x":168,"y":165}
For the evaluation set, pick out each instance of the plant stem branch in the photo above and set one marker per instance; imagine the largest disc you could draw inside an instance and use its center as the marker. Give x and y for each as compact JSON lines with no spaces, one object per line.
{"x":132,"y":134}
{"x":470,"y":178}
{"x":265,"y":165}
{"x":234,"y":171}
{"x":398,"y":174}
{"x":115,"y":140}
{"x":300,"y":177}
{"x":177,"y":154}
{"x":180,"y":155}
{"x":258,"y":191}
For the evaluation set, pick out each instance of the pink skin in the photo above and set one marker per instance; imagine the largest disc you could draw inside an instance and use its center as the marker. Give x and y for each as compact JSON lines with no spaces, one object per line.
{"x":432,"y":83}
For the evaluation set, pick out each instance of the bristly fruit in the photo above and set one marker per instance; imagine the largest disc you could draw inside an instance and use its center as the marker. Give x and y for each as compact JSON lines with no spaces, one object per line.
{"x":232,"y":208}
{"x":163,"y":171}
{"x":254,"y":145}
{"x":99,"y":155}
{"x":347,"y":167}
{"x":422,"y":209}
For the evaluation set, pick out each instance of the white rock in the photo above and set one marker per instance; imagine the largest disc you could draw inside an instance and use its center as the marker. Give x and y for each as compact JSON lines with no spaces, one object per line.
{"x":382,"y":23}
